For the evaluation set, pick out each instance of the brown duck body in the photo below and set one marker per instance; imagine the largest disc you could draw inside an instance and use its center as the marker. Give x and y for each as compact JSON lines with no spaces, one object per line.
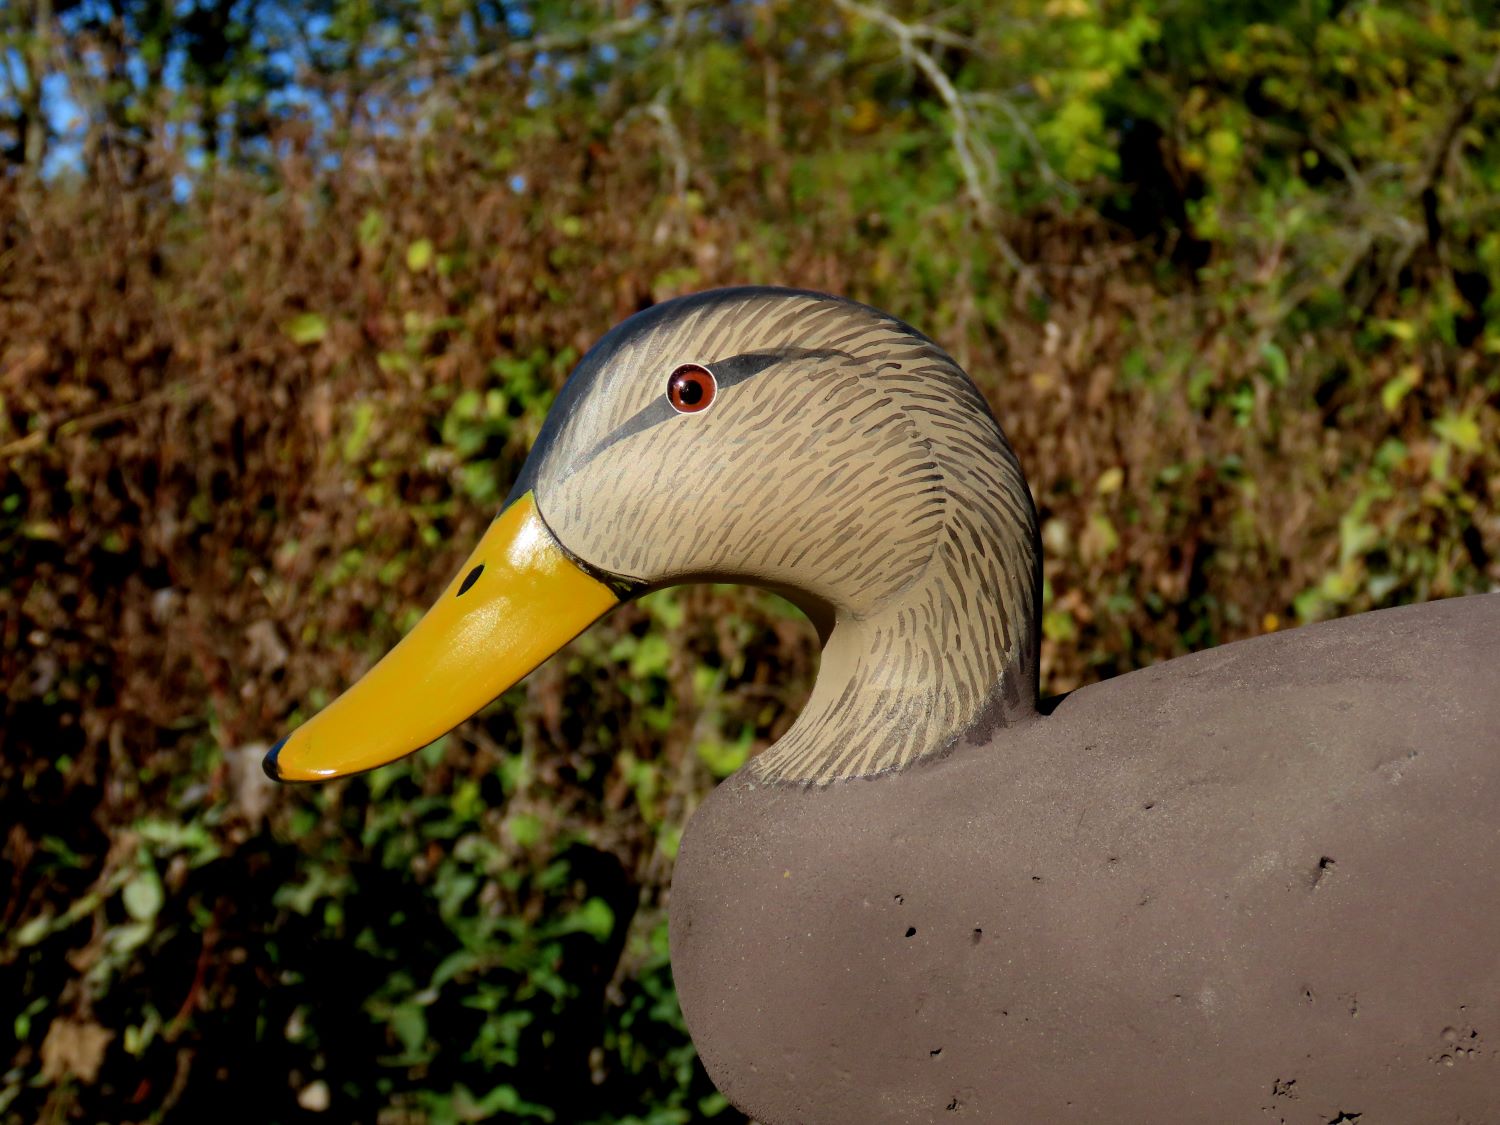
{"x":1260,"y":882}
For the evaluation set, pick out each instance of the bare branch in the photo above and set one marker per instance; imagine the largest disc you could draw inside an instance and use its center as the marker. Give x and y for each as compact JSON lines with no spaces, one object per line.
{"x":558,"y":42}
{"x":1038,"y":152}
{"x":672,"y":137}
{"x":969,"y":149}
{"x":1324,"y":147}
{"x":86,"y":423}
{"x":1462,"y":114}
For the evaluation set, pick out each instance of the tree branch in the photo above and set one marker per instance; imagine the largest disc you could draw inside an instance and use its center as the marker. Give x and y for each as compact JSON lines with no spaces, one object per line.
{"x":969,"y":149}
{"x":560,"y":41}
{"x":1462,"y":114}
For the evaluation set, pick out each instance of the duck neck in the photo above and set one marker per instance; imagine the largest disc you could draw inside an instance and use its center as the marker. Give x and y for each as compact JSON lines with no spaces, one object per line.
{"x":946,"y":661}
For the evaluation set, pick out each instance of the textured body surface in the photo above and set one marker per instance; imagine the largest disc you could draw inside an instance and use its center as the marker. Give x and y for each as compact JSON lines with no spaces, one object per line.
{"x":1256,"y":883}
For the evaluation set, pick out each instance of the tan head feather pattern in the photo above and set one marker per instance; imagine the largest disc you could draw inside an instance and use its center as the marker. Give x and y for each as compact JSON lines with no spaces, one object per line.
{"x":845,"y":460}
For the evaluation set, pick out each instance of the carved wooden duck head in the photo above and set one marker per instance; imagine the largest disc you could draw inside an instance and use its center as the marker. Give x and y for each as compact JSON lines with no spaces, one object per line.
{"x":774,"y":437}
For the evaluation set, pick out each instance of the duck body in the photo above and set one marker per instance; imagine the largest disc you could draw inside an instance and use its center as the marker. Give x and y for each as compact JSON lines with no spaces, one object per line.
{"x":1260,"y":882}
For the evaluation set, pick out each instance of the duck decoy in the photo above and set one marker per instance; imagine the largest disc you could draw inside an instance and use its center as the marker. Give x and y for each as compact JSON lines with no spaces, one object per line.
{"x":1256,"y":883}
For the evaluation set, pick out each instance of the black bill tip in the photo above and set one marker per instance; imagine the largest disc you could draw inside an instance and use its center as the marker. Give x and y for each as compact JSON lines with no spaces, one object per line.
{"x":268,"y":763}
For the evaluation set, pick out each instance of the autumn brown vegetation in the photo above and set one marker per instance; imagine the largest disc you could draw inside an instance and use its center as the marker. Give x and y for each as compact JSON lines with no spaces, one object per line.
{"x":245,"y":437}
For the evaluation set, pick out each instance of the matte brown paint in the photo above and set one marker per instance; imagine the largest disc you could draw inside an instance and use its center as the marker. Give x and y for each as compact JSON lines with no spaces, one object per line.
{"x":1260,"y":883}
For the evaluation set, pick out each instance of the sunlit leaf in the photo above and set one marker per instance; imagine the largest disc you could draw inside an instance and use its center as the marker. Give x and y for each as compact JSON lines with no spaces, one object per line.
{"x":307,"y":328}
{"x":142,"y":895}
{"x":419,"y":255}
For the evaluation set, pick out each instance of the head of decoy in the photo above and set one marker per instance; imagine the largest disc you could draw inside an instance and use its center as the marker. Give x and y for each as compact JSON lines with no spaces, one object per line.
{"x":773,"y":437}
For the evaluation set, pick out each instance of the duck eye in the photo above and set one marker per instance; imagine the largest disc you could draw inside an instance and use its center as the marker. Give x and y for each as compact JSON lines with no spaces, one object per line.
{"x":691,"y":388}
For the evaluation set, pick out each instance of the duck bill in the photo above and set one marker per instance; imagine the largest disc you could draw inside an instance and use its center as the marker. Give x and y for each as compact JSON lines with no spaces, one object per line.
{"x":516,"y":601}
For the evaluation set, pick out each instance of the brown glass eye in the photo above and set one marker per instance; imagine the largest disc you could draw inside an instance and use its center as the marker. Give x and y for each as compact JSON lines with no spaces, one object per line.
{"x":691,"y":388}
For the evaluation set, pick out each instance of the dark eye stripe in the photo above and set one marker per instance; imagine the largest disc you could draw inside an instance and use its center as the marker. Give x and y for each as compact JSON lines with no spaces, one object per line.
{"x":727,"y":372}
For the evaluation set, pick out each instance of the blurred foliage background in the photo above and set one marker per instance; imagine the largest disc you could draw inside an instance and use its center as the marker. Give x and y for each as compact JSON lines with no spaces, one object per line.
{"x":287,"y":287}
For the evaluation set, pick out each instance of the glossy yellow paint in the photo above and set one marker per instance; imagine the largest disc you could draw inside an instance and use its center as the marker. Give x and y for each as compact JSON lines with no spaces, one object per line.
{"x":527,"y":602}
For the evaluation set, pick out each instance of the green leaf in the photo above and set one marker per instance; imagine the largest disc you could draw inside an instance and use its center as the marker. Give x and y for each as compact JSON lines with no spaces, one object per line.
{"x":669,"y":840}
{"x":501,"y":1100}
{"x":1058,"y":625}
{"x":143,"y":895}
{"x":358,"y":437}
{"x":33,"y":931}
{"x":1459,"y":429}
{"x":1402,"y":330}
{"x":1395,"y":390}
{"x":129,"y":937}
{"x":723,"y":759}
{"x":409,"y":1023}
{"x":307,"y":328}
{"x":653,"y":656}
{"x":169,"y":837}
{"x":524,"y":829}
{"x":1277,"y":367}
{"x":371,"y":229}
{"x":22,"y":1023}
{"x":419,"y":255}
{"x":594,"y":917}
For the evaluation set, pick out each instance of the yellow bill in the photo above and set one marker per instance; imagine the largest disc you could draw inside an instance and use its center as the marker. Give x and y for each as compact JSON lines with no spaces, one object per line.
{"x":515,"y":602}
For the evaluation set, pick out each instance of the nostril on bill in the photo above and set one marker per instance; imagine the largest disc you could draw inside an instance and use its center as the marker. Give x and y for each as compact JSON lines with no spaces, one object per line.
{"x":469,"y":580}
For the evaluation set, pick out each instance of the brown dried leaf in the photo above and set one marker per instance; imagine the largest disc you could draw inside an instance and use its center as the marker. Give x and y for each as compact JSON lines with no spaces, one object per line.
{"x":74,"y":1049}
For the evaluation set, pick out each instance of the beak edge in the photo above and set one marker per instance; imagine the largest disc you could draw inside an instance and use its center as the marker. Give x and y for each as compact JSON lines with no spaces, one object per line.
{"x":268,"y":763}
